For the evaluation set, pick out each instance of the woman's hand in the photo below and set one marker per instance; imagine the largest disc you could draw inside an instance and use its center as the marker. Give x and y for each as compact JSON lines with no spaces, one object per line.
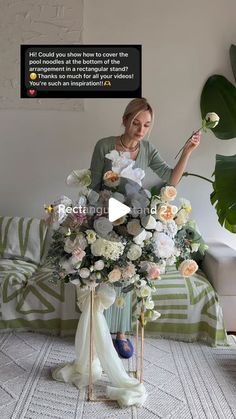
{"x":192,"y":143}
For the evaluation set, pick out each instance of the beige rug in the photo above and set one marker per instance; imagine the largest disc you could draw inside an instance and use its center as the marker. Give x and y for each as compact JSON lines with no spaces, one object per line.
{"x":184,"y":380}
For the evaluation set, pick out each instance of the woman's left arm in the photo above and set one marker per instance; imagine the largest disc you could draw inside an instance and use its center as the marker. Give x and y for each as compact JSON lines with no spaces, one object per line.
{"x":180,"y":167}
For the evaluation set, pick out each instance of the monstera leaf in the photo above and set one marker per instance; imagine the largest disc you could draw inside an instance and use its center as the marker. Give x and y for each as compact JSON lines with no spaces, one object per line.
{"x":224,"y":194}
{"x":232,"y":53}
{"x":219,"y":95}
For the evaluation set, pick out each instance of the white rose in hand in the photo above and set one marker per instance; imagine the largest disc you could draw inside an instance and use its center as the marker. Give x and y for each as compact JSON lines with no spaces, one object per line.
{"x":211,"y":120}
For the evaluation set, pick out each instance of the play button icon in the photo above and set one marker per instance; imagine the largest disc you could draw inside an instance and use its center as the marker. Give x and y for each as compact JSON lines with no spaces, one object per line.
{"x":116,"y":209}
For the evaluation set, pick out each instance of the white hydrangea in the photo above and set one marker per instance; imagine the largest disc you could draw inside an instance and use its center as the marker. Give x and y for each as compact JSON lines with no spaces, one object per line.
{"x":107,"y":249}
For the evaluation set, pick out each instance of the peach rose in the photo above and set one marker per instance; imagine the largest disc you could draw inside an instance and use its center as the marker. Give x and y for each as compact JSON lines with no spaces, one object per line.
{"x":168,"y":193}
{"x":166,"y":212}
{"x":188,"y":267}
{"x":111,"y":179}
{"x":114,"y":275}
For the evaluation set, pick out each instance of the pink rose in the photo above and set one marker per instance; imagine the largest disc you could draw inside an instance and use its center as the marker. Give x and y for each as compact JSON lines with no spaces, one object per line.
{"x":78,"y":255}
{"x":153,"y":272}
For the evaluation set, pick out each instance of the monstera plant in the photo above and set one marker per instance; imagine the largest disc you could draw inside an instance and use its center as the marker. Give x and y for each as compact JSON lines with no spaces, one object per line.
{"x":219,"y":95}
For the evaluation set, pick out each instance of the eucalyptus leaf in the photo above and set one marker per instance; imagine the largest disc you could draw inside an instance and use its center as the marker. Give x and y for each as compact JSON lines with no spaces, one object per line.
{"x":129,"y":288}
{"x":232,"y":53}
{"x":224,"y":194}
{"x":219,"y":96}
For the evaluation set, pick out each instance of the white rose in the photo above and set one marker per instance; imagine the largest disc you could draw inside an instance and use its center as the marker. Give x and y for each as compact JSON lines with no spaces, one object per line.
{"x":145,"y":291}
{"x":195,"y":247}
{"x":134,"y":252}
{"x":134,"y":279}
{"x":171,"y":261}
{"x":79,"y":178}
{"x":67,"y":266}
{"x":163,"y":245}
{"x":155,"y":316}
{"x":148,"y":222}
{"x":99,"y":265}
{"x":134,"y":227}
{"x":84,"y":273}
{"x":140,"y":283}
{"x":102,"y":226}
{"x":181,"y":217}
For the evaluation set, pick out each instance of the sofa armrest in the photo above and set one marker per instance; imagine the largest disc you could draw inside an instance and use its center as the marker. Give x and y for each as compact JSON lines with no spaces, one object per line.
{"x":219,"y":264}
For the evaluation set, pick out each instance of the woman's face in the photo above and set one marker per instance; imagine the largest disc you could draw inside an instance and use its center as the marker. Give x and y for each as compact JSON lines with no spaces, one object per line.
{"x":139,"y":127}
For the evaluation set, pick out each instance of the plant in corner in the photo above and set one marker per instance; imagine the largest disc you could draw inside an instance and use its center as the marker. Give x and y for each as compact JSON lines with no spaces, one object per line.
{"x":219,"y":94}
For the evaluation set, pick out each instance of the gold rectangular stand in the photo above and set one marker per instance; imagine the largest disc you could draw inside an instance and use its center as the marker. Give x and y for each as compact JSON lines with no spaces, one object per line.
{"x":137,"y":373}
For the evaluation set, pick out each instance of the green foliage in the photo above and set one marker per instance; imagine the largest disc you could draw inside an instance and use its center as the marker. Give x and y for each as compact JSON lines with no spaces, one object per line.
{"x":219,"y":95}
{"x":224,"y":194}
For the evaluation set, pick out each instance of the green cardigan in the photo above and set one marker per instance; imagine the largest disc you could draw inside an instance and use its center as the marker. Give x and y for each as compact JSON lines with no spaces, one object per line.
{"x":148,"y":156}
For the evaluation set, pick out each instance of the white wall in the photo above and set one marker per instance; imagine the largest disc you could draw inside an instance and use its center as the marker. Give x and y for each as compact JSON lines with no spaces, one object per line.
{"x":183,"y":42}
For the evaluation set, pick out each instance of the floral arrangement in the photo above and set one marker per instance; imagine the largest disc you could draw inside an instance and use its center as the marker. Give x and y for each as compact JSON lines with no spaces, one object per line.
{"x":133,"y":251}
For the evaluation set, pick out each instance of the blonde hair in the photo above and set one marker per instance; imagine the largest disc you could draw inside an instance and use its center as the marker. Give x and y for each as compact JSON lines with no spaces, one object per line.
{"x":135,"y":107}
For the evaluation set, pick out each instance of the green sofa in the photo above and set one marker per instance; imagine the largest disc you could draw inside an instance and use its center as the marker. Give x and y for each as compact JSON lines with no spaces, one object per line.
{"x":29,"y":300}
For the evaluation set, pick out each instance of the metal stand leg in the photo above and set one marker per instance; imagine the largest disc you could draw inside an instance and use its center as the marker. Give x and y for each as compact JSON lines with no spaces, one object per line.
{"x":90,"y":386}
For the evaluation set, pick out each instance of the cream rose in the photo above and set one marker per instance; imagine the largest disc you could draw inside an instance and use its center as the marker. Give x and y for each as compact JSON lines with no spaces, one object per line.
{"x":90,"y":236}
{"x":84,"y":273}
{"x":188,"y":267}
{"x":134,"y":252}
{"x":168,"y":193}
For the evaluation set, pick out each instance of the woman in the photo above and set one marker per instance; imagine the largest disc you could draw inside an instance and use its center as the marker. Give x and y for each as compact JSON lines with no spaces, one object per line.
{"x":138,"y":120}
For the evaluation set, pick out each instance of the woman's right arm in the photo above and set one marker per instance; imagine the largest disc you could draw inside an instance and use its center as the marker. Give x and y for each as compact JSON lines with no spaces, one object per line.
{"x":96,"y":167}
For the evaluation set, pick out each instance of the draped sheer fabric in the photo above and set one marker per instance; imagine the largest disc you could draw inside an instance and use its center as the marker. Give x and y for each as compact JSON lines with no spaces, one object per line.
{"x":127,"y":391}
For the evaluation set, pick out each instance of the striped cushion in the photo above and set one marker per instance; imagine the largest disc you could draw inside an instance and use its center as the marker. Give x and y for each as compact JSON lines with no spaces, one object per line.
{"x":22,"y":238}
